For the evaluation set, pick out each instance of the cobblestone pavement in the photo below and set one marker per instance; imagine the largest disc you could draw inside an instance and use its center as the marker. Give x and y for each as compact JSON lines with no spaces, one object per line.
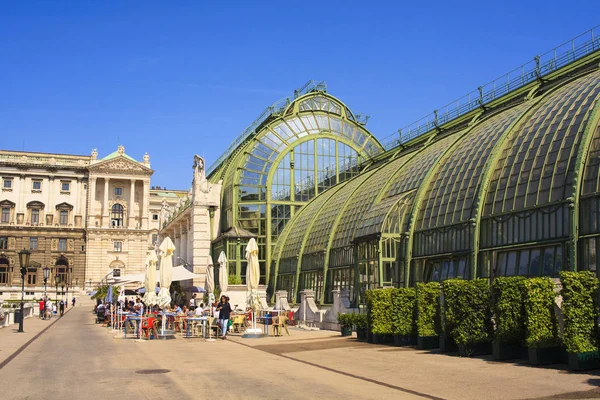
{"x":77,"y":359}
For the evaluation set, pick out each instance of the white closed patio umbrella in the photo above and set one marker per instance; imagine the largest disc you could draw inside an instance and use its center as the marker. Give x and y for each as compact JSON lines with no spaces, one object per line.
{"x":150,"y":298}
{"x":223,"y":277}
{"x":166,"y":272}
{"x":209,"y":284}
{"x":252,"y":278}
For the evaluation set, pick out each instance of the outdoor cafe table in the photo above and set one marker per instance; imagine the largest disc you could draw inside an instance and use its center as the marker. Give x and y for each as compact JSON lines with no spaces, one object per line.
{"x":168,"y":315}
{"x":132,"y":317}
{"x":192,"y":319}
{"x":267,"y":316}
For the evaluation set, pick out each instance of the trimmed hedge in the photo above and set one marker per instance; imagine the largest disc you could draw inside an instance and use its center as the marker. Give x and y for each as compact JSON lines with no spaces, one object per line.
{"x":428,"y":309}
{"x":346,"y":321}
{"x":540,"y":320}
{"x":509,"y":310}
{"x":379,"y":306}
{"x":403,"y":311}
{"x":579,"y":291}
{"x":467,"y":310}
{"x":360,"y":321}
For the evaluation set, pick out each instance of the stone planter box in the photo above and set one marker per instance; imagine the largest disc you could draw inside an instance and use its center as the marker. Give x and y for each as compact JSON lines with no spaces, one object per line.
{"x":346,"y":331}
{"x":405,"y":340}
{"x":475,"y":349}
{"x":584,"y":361}
{"x":506,"y":351}
{"x":544,"y":356}
{"x":447,"y":344}
{"x":428,"y":342}
{"x":382,"y":339}
{"x":361,"y":334}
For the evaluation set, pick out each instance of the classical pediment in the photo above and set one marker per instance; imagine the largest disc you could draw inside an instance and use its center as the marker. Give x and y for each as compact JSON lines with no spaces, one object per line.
{"x":7,"y":203}
{"x":64,"y":206}
{"x":121,"y":165}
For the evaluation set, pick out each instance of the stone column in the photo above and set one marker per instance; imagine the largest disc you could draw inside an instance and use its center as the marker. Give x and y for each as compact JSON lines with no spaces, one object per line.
{"x":144,"y":204}
{"x":91,"y":211}
{"x":21,"y":207}
{"x":130,"y":210}
{"x":50,"y":203}
{"x":105,"y":210}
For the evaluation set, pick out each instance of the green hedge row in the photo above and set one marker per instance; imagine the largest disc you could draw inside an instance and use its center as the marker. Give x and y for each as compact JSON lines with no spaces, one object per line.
{"x":428,"y":309}
{"x":579,"y":310}
{"x":509,"y":309}
{"x":403,"y":311}
{"x":523,"y":311}
{"x":467,"y":314}
{"x":379,"y":314}
{"x":540,"y":319}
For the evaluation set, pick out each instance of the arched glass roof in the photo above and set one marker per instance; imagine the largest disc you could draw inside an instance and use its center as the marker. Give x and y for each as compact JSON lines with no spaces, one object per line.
{"x":538,"y":159}
{"x":295,"y":233}
{"x":319,"y":234}
{"x":407,"y":178}
{"x":450,"y":193}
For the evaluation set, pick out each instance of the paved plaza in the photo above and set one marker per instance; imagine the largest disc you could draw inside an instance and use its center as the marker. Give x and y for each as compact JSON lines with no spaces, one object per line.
{"x":76,"y":359}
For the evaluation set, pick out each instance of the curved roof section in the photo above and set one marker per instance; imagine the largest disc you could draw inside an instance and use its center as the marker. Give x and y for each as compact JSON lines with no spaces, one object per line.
{"x":296,"y":231}
{"x":538,"y":160}
{"x":311,"y":114}
{"x":362,"y":200}
{"x":449,"y":196}
{"x":319,"y":234}
{"x":407,"y":178}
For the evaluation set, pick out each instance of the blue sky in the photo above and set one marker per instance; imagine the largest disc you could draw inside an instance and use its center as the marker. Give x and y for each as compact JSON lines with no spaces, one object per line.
{"x":174,"y":78}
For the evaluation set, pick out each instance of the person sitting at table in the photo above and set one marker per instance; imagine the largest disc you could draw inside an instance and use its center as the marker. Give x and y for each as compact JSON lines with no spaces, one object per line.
{"x":177,"y":310}
{"x":184,"y":311}
{"x":199,"y":310}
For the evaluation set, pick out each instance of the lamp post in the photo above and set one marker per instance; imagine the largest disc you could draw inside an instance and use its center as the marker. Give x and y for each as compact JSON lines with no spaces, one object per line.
{"x":90,"y":283}
{"x":56,"y":282}
{"x":62,"y":291}
{"x":24,"y":263}
{"x":46,"y":276}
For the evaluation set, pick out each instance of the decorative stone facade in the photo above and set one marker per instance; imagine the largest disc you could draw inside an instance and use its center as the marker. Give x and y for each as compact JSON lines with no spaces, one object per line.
{"x":42,"y":209}
{"x":82,"y":216}
{"x":193,"y":223}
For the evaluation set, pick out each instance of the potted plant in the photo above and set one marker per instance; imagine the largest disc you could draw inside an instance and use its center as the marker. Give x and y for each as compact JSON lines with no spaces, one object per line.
{"x":428,"y":315}
{"x":468,"y":315}
{"x":379,"y":312}
{"x":509,"y":316}
{"x":579,"y":293}
{"x":360,"y":322}
{"x":540,"y":322}
{"x":346,"y":322}
{"x":403,"y":316}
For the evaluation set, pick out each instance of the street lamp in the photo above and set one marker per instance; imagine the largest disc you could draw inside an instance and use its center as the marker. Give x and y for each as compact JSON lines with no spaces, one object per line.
{"x":56,"y":282}
{"x":90,"y":284}
{"x":62,"y":291}
{"x":24,"y":263}
{"x":46,"y":276}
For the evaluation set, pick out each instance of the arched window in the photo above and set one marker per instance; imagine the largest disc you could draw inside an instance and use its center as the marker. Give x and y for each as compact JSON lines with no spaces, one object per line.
{"x":116,"y":218}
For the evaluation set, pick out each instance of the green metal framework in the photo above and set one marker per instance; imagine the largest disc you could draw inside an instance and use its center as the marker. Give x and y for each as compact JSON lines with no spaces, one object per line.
{"x":298,"y":149}
{"x":511,"y":188}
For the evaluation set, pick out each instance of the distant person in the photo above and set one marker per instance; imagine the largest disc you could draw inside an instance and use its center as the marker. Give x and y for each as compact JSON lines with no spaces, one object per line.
{"x":224,"y":309}
{"x":73,"y":301}
{"x":54,"y":308}
{"x":61,"y":307}
{"x":42,"y":308}
{"x":193,"y":302}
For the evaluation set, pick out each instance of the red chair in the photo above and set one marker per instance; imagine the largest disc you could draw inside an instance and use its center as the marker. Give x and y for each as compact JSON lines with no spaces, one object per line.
{"x":148,"y":325}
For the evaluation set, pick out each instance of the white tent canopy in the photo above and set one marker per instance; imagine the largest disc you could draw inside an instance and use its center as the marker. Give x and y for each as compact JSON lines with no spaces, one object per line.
{"x":180,"y":273}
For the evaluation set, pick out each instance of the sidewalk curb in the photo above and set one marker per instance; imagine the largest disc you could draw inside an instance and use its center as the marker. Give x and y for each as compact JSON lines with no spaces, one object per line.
{"x":20,"y":349}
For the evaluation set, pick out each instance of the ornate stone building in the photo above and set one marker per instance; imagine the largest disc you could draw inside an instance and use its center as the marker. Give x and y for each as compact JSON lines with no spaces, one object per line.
{"x":43,"y":209}
{"x":82,"y":216}
{"x":118,"y":230}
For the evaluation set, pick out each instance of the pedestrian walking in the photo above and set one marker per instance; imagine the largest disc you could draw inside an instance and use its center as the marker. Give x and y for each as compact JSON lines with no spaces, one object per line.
{"x":42,"y":308}
{"x":224,"y":309}
{"x":73,"y":301}
{"x":61,"y":307}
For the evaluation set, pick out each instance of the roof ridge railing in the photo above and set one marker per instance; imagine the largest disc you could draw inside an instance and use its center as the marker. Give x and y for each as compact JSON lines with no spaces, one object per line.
{"x":542,"y":65}
{"x":273,"y":109}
